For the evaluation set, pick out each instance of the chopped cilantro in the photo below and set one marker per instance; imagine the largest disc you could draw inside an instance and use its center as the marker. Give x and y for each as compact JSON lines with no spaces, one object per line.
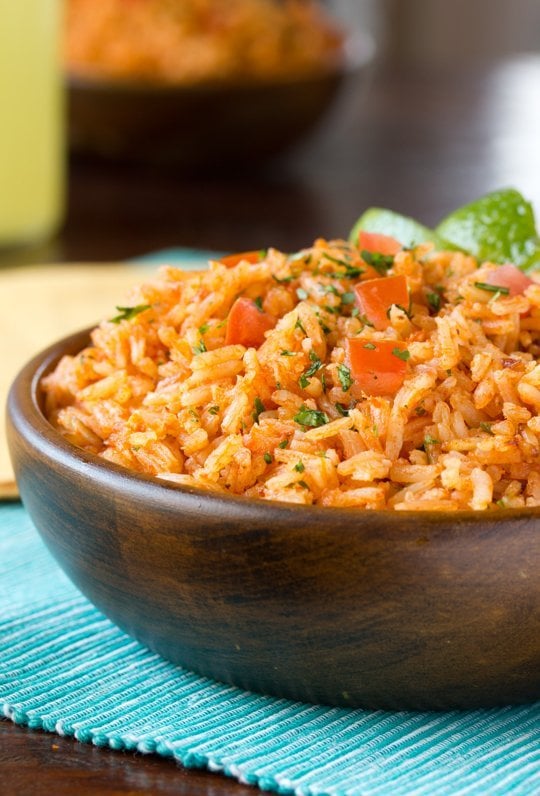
{"x":258,"y":407}
{"x":300,"y":325}
{"x":283,"y":280}
{"x":300,"y":467}
{"x":380,"y":262}
{"x":213,"y":410}
{"x":268,"y":458}
{"x":347,"y":298}
{"x":200,"y":348}
{"x":303,"y":381}
{"x":303,"y":484}
{"x":203,"y":329}
{"x":286,"y":353}
{"x":344,"y":376}
{"x":258,"y":303}
{"x":127,"y":313}
{"x":370,"y":346}
{"x":362,"y":318}
{"x":486,"y":427}
{"x":434,"y":301}
{"x":429,"y":440}
{"x":283,"y":443}
{"x":401,"y":353}
{"x":310,"y":417}
{"x":343,"y":411}
{"x":324,"y":289}
{"x":504,"y":291}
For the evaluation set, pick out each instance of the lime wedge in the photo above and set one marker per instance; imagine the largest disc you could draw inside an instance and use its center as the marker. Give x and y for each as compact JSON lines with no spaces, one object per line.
{"x":499,"y":227}
{"x":406,"y":230}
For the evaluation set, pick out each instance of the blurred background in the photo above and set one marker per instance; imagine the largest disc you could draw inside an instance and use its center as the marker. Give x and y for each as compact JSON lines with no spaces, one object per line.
{"x":296,"y":126}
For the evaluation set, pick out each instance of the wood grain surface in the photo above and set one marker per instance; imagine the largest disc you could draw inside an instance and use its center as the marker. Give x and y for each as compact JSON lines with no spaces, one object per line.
{"x":422,"y":137}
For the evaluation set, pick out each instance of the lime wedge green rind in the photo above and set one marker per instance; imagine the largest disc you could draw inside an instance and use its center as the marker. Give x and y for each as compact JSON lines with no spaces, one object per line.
{"x":499,"y":227}
{"x":405,"y":230}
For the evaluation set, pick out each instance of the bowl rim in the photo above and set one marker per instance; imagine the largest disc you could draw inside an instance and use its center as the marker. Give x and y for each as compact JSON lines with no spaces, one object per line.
{"x":358,"y":51}
{"x":32,"y":424}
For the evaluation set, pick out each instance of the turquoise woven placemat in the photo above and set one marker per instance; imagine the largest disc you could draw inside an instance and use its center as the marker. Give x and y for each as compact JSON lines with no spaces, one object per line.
{"x":66,"y":669}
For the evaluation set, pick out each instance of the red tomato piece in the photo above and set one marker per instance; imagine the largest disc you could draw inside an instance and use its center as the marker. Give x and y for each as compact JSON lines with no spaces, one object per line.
{"x":374,"y":298}
{"x":378,"y":368}
{"x":247,"y":324}
{"x":233,"y":259}
{"x":378,"y":244}
{"x":510,"y":277}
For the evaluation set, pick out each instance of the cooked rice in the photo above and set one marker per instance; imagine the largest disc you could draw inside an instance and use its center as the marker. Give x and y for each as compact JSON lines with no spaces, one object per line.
{"x":199,"y":41}
{"x":162,"y":393}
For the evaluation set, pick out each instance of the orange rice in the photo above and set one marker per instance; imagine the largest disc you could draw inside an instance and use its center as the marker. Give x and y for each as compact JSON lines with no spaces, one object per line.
{"x":159,"y":391}
{"x":200,"y":40}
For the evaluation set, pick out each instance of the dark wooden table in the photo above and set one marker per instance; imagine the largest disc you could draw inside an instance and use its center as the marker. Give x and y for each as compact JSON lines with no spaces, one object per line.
{"x":431,"y":128}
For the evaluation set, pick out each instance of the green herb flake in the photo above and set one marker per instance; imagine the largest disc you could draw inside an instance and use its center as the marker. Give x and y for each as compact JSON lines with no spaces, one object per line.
{"x":401,"y":353}
{"x":344,"y":376}
{"x":286,"y":353}
{"x":303,"y":381}
{"x":300,"y":325}
{"x":364,"y":319}
{"x":325,"y":289}
{"x":486,"y":427}
{"x":504,"y":291}
{"x":342,"y":410}
{"x":127,"y":313}
{"x":380,"y":262}
{"x":310,"y":417}
{"x":434,"y":301}
{"x":300,"y":467}
{"x":316,"y":364}
{"x":203,"y":329}
{"x":258,"y":303}
{"x":283,"y":444}
{"x":303,"y":484}
{"x":200,"y":348}
{"x":429,"y":440}
{"x":213,"y":410}
{"x":347,"y":298}
{"x":301,"y":293}
{"x":283,"y":280}
{"x":370,"y":346}
{"x":268,"y":458}
{"x":258,"y":407}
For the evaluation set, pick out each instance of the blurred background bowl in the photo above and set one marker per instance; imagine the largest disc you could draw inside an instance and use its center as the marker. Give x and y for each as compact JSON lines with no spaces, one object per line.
{"x":212,"y":125}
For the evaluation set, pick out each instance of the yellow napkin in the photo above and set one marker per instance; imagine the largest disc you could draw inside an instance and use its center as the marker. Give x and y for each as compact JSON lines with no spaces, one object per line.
{"x":41,"y":304}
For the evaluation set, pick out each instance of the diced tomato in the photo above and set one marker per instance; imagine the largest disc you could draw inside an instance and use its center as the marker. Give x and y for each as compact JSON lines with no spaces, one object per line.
{"x":510,"y":277}
{"x":378,"y":368}
{"x":375,"y":297}
{"x":233,"y":259}
{"x":378,"y":244}
{"x":247,"y":324}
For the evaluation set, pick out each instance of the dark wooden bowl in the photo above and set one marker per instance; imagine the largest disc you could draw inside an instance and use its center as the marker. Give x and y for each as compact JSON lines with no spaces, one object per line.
{"x":358,"y":608}
{"x":208,"y":126}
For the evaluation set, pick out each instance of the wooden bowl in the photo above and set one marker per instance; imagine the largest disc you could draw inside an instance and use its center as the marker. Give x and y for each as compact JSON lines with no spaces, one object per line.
{"x":339,"y":606}
{"x":208,"y":126}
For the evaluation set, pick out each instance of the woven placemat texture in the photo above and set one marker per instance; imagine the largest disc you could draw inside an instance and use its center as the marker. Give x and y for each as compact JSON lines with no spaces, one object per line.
{"x":66,"y":669}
